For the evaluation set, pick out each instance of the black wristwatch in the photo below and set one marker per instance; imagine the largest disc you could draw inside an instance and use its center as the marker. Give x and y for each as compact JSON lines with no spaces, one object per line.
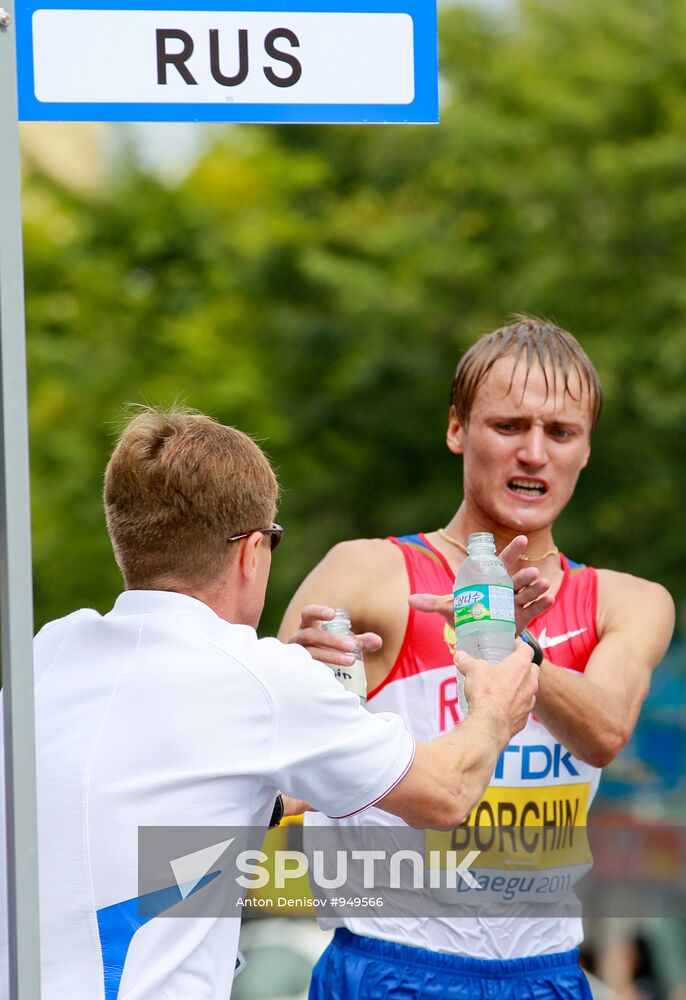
{"x":535,"y":645}
{"x":277,"y":812}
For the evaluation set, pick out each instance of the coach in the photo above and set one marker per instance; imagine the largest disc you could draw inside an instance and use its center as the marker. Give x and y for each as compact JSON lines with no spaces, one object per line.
{"x":169,"y":711}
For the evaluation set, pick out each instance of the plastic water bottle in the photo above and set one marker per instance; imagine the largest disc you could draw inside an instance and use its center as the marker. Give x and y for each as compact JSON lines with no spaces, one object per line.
{"x":484,"y":606}
{"x":353,"y":678}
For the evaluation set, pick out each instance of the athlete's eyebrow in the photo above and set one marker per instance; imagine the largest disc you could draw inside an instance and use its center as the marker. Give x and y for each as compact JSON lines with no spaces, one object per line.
{"x":503,"y":418}
{"x":520,"y":419}
{"x":568,"y":421}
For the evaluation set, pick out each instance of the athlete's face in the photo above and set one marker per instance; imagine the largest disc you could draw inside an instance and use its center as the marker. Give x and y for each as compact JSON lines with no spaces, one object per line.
{"x":523,"y":448}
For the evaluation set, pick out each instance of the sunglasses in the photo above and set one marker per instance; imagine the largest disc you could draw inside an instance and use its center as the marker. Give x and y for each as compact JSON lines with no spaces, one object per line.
{"x":275,"y":533}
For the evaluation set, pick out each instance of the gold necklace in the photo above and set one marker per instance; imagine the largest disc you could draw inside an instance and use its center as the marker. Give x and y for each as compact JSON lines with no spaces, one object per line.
{"x":463,"y":548}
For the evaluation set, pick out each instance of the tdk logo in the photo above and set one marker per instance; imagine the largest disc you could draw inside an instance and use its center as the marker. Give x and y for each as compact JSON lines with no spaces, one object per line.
{"x":537,"y":761}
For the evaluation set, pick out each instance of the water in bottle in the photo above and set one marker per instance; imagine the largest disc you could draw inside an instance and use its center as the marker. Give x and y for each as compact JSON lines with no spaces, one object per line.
{"x":484,"y":606}
{"x":353,"y":678}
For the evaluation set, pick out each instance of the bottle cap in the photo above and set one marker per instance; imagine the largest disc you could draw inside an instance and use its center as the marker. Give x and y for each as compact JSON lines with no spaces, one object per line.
{"x":480,"y":538}
{"x":340,"y":623}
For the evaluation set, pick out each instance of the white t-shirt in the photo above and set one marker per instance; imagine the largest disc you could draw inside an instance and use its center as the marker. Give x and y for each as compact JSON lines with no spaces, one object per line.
{"x":160,"y":713}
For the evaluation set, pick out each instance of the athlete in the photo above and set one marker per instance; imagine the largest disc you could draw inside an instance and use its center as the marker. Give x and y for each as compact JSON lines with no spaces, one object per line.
{"x":524,"y":403}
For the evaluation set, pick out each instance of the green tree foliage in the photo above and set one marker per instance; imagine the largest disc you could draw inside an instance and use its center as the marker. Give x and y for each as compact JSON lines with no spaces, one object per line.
{"x":315,"y":286}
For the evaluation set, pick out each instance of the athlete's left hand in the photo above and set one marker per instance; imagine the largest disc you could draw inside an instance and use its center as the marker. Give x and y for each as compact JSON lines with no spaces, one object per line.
{"x":530,"y":589}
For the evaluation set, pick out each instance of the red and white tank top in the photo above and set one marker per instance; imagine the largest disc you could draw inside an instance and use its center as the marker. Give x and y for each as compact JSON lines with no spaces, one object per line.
{"x":428,"y":700}
{"x":536,"y":781}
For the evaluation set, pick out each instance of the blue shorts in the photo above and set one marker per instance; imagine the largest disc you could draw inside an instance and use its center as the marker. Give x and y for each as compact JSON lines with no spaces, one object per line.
{"x":363,"y":968}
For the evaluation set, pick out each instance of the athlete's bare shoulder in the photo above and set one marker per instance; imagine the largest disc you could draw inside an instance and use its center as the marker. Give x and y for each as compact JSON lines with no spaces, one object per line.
{"x":611,"y":582}
{"x":370,"y":557}
{"x":624,"y":600}
{"x":365,"y":576}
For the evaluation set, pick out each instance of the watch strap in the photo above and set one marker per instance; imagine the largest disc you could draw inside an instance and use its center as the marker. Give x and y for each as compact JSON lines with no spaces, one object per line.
{"x":277,"y":811}
{"x":535,"y":645}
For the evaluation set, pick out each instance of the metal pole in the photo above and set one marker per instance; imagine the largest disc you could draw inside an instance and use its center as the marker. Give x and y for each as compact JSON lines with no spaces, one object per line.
{"x":15,"y":552}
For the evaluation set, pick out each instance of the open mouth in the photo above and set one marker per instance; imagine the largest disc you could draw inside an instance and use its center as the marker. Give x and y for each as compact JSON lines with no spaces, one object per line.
{"x":527,"y":487}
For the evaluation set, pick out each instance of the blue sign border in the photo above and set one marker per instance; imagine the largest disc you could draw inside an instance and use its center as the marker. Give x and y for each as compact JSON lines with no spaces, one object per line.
{"x":424,"y":108}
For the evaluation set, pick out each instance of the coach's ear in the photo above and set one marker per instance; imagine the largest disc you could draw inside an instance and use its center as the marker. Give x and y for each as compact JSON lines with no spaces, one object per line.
{"x":454,"y":437}
{"x":249,"y":555}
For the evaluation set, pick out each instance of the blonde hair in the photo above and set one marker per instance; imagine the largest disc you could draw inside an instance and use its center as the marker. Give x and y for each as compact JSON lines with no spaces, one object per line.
{"x":177,"y":486}
{"x":538,"y":342}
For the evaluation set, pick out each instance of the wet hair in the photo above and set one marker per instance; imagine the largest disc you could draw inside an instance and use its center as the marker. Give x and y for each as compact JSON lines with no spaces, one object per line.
{"x":537,"y":342}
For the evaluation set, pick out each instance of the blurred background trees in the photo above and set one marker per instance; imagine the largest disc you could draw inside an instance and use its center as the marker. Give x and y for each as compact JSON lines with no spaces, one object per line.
{"x":316,"y":286}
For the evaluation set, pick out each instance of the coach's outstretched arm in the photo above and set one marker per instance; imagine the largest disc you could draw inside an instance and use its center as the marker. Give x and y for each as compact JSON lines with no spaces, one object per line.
{"x":449,"y":776}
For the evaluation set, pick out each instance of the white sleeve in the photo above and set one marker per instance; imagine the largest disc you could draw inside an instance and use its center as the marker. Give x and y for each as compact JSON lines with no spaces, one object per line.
{"x":328,"y":749}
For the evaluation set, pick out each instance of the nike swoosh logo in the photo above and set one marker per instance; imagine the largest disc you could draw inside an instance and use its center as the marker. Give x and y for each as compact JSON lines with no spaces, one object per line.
{"x":546,"y":641}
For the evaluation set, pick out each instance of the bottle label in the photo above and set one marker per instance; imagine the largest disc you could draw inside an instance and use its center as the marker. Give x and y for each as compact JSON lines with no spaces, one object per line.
{"x":352,"y":678}
{"x":484,"y":603}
